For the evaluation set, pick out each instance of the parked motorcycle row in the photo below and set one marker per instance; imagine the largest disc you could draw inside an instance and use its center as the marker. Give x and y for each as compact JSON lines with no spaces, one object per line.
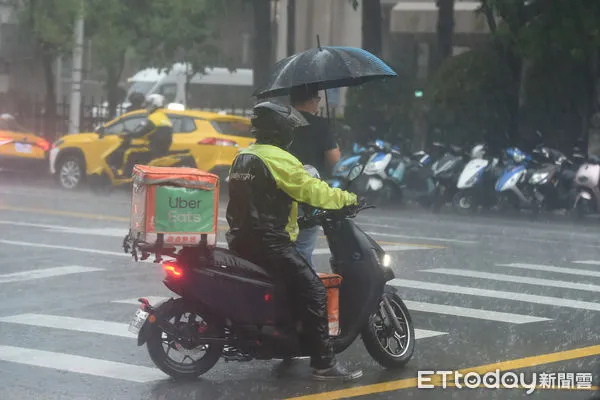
{"x":544,"y":180}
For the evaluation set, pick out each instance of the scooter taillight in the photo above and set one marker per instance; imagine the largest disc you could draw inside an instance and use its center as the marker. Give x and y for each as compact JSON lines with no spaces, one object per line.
{"x":172,"y":269}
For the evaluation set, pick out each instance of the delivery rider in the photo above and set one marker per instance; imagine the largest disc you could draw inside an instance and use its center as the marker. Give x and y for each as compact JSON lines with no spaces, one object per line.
{"x":156,"y":130}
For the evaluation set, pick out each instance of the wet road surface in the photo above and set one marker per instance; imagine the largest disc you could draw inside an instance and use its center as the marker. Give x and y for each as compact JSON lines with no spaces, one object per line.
{"x":484,"y":293}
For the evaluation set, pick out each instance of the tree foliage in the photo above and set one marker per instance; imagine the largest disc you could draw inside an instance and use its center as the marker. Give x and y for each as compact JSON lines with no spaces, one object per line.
{"x":468,"y":96}
{"x":180,"y":30}
{"x":50,"y":24}
{"x":537,"y":35}
{"x":162,"y":33}
{"x":384,"y":105}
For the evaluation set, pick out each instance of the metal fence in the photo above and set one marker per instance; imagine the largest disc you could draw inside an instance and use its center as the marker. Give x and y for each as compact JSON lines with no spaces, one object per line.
{"x":31,"y":113}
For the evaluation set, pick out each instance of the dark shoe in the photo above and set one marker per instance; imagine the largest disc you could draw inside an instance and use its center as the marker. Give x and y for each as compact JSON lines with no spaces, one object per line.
{"x":336,"y":373}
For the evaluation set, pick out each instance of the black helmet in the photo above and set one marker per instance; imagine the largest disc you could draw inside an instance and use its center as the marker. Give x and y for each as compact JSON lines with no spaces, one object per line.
{"x":137,"y":98}
{"x":274,"y":123}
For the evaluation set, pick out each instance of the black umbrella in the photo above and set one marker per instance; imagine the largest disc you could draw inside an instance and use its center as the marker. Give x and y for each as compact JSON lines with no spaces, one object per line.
{"x":325,"y":67}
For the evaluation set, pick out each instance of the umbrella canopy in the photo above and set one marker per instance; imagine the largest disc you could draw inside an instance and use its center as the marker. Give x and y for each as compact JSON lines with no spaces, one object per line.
{"x":325,"y":67}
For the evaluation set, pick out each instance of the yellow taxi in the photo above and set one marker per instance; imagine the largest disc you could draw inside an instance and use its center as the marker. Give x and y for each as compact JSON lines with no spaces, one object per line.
{"x":213,"y":139}
{"x":18,"y":147}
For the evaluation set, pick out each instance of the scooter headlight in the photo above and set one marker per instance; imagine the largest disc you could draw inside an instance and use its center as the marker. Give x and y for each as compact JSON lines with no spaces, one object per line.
{"x":386,"y":260}
{"x":539,"y":178}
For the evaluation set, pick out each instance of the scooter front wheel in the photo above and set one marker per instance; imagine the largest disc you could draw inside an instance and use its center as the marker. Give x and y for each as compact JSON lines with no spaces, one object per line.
{"x":464,"y":203}
{"x":390,"y":335}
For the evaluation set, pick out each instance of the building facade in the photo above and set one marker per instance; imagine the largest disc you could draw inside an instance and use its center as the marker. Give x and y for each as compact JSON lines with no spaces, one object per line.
{"x":408,"y":29}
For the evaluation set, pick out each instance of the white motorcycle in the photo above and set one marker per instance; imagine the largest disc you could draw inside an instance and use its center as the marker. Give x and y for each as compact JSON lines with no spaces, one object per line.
{"x":476,"y":182}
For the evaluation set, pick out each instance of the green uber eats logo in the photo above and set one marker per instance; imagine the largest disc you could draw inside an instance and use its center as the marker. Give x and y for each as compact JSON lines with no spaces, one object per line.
{"x":184,"y":210}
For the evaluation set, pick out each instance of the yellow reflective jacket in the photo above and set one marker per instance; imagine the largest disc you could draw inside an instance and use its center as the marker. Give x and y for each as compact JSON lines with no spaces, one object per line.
{"x":265,"y":185}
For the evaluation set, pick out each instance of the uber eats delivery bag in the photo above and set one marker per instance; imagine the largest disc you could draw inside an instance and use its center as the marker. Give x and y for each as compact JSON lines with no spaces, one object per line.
{"x":180,"y":203}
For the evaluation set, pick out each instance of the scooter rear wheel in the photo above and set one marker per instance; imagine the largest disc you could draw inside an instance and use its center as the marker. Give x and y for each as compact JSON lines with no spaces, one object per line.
{"x":378,"y":338}
{"x":160,"y":355}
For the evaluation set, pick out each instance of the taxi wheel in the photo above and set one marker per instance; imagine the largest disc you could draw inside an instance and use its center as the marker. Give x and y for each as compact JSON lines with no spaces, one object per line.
{"x":70,"y":172}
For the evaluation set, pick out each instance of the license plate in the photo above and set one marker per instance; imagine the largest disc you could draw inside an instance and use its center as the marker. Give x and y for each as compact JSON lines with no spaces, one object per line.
{"x":22,"y":148}
{"x":137,"y":321}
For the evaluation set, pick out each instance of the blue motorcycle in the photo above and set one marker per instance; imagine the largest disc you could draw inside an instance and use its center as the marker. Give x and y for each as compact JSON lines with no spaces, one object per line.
{"x":360,"y":155}
{"x":513,"y":184}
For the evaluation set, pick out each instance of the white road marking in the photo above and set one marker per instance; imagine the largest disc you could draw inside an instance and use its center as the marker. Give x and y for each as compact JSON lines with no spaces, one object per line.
{"x":111,"y":232}
{"x":472,"y":313}
{"x":222,"y":244}
{"x":550,"y":268}
{"x":80,"y":365}
{"x":113,"y":328}
{"x":402,"y":247}
{"x":71,"y":324}
{"x":516,"y":279}
{"x":497,"y":294}
{"x":434,"y":239}
{"x":45,"y":273}
{"x":424,"y":307}
{"x":424,"y":333}
{"x":70,"y":248}
{"x":588,"y":262}
{"x":419,"y":333}
{"x":153,"y":300}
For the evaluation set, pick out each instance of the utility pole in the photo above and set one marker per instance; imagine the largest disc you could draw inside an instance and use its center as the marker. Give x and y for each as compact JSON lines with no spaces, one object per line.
{"x":75,"y":109}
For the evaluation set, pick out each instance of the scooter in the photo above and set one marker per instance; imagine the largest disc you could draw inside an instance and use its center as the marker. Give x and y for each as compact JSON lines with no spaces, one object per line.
{"x":360,"y":155}
{"x":552,"y":184}
{"x":446,"y":171}
{"x":237,"y":311}
{"x":105,"y":177}
{"x":512,"y":184}
{"x":375,"y":183}
{"x":587,"y":186}
{"x":475,"y":185}
{"x":415,"y":178}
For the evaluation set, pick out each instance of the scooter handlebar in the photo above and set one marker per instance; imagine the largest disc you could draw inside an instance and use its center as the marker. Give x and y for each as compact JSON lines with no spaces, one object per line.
{"x":320,"y":216}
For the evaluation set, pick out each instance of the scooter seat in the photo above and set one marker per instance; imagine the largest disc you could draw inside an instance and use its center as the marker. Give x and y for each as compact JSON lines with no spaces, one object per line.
{"x":178,"y":151}
{"x":456,"y":149}
{"x":594,"y":159}
{"x":234,"y":264}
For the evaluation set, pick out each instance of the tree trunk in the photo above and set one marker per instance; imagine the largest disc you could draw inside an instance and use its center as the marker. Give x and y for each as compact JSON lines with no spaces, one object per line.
{"x":49,"y":126}
{"x":291,"y":27}
{"x":516,"y":64}
{"x":262,"y":42}
{"x":590,"y":133}
{"x":371,"y":26}
{"x":489,"y":16}
{"x":445,"y":31}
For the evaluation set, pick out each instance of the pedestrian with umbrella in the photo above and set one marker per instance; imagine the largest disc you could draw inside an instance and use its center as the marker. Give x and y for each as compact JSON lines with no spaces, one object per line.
{"x":313,"y":145}
{"x":301,"y":76}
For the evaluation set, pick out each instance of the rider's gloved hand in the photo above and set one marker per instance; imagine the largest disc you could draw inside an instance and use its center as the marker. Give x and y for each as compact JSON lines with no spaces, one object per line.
{"x":362,"y":202}
{"x":350,"y":210}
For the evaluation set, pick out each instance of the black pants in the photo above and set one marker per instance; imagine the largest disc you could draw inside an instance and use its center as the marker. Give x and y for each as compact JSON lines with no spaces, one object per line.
{"x":308,"y":295}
